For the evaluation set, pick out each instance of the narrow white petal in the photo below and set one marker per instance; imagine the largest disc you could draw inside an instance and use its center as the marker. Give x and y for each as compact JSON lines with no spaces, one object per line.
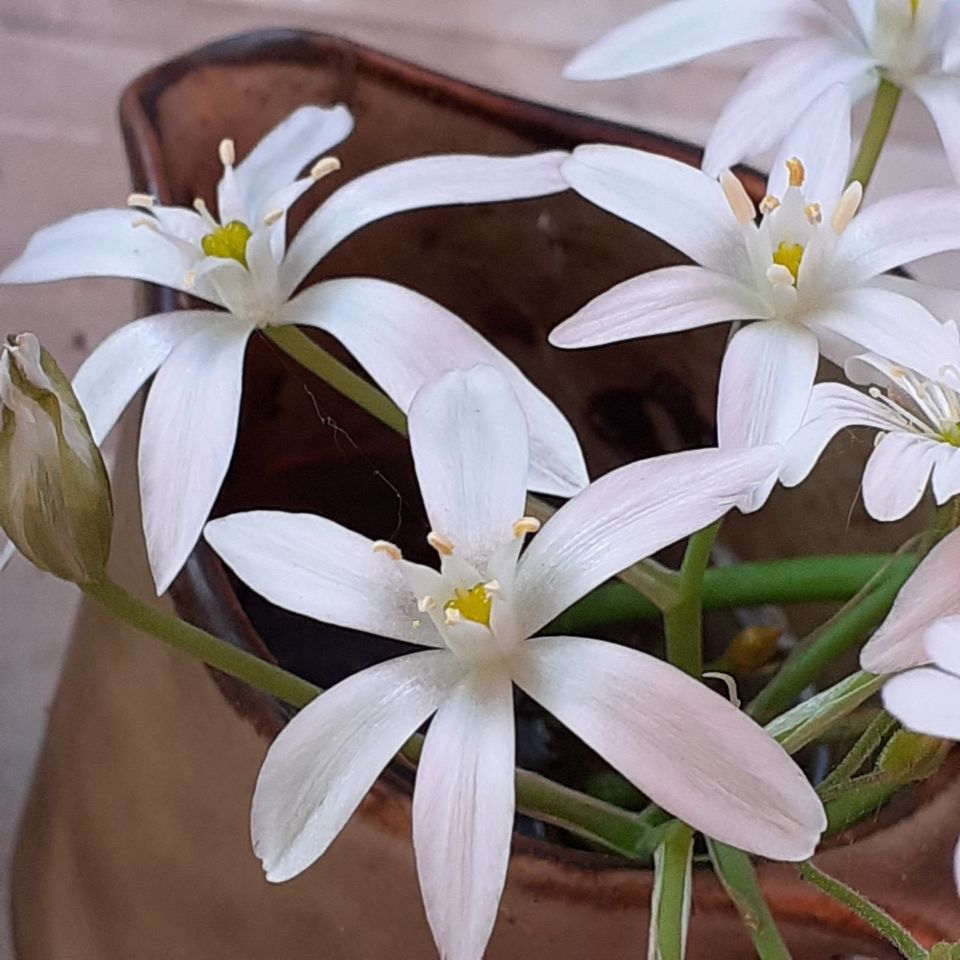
{"x":770,"y":91}
{"x":315,"y":567}
{"x":328,"y":756}
{"x":676,"y":32}
{"x":689,"y":749}
{"x":946,"y":475}
{"x":434,"y":181}
{"x":863,"y":12}
{"x":468,"y":434}
{"x":941,"y":94}
{"x":942,"y":302}
{"x":896,"y":474}
{"x":941,"y":640}
{"x":932,"y":592}
{"x":629,"y":514}
{"x":463,"y":805}
{"x":925,"y":700}
{"x":670,"y":199}
{"x":403,"y":339}
{"x":186,"y":440}
{"x":661,"y":301}
{"x":108,"y":379}
{"x":833,"y":407}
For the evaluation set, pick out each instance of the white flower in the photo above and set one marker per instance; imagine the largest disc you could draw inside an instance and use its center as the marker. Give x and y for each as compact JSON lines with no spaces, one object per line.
{"x":685,"y":746}
{"x":913,"y":43}
{"x":920,"y":423}
{"x":807,"y":271}
{"x":242,"y":264}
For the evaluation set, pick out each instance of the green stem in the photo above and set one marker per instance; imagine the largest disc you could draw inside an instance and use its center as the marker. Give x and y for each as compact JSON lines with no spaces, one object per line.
{"x":794,"y":580}
{"x":314,"y":358}
{"x":882,"y":922}
{"x":875,"y":135}
{"x":739,"y":879}
{"x":865,"y":747}
{"x":670,"y":905}
{"x":683,"y":622}
{"x":859,"y":798}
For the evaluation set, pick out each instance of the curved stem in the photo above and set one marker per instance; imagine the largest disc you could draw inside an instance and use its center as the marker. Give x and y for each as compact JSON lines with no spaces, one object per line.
{"x":670,"y":902}
{"x":874,"y":136}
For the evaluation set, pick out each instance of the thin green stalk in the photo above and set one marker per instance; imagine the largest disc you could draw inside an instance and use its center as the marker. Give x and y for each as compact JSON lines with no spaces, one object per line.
{"x":867,"y":744}
{"x":874,"y":136}
{"x":879,"y":920}
{"x":735,"y":871}
{"x":670,"y":903}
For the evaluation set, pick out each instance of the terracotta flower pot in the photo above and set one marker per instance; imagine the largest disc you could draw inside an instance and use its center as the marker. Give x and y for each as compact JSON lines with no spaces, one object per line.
{"x":135,"y":839}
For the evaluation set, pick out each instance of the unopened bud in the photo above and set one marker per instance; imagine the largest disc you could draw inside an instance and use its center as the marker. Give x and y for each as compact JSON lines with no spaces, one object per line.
{"x":751,"y":648}
{"x":54,"y":493}
{"x":912,"y":756}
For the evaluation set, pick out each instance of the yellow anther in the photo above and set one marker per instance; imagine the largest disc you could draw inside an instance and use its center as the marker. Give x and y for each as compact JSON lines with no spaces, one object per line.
{"x":425,"y":604}
{"x":768,"y":204}
{"x":847,"y":207}
{"x":789,"y":255}
{"x":386,"y":547}
{"x":525,"y":525}
{"x":473,"y":604}
{"x":323,"y":167}
{"x":797,"y":173}
{"x":228,"y":152}
{"x":814,"y":214}
{"x":737,"y":197}
{"x":140,"y":200}
{"x":228,"y":242}
{"x":440,"y":543}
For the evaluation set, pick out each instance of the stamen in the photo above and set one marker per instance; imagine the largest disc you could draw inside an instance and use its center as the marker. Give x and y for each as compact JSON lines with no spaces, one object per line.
{"x":272,"y":217}
{"x":737,"y":197}
{"x":201,"y":207}
{"x":140,"y":200}
{"x":779,"y":275}
{"x":451,"y":615}
{"x":797,"y":173}
{"x":440,"y":543}
{"x":492,"y":586}
{"x":425,"y":604}
{"x":525,"y":525}
{"x":847,"y":207}
{"x":228,"y":152}
{"x":768,"y":204}
{"x":189,"y":279}
{"x":147,"y":222}
{"x":388,"y":548}
{"x":323,"y":167}
{"x":814,"y":214}
{"x":415,"y":624}
{"x":729,"y":682}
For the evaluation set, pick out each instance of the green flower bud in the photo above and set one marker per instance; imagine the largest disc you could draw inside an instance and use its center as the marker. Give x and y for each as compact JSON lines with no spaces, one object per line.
{"x":912,"y":756}
{"x":55,"y":500}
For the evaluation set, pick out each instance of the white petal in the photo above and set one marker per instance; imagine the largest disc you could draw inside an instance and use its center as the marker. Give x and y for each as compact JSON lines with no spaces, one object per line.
{"x":676,"y":32}
{"x":770,"y":91}
{"x":434,"y":181}
{"x":689,"y":749}
{"x":932,"y":592}
{"x":468,"y":434}
{"x":101,"y":243}
{"x":833,"y":407}
{"x":941,"y":640}
{"x":287,"y":149}
{"x":662,"y":301}
{"x":108,"y":379}
{"x":629,"y":514}
{"x":941,"y":94}
{"x":328,"y":756}
{"x":863,"y":12}
{"x":896,"y":474}
{"x":946,"y":475}
{"x":463,"y":805}
{"x":403,"y":339}
{"x":315,"y":567}
{"x":925,"y":700}
{"x":186,"y":440}
{"x":896,"y":230}
{"x":670,"y":199}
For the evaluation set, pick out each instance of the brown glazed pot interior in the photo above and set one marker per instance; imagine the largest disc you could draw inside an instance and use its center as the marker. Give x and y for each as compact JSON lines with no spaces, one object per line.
{"x":511,"y":270}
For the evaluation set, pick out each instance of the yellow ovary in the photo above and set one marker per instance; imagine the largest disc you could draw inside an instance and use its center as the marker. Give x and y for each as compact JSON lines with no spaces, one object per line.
{"x":473,"y":604}
{"x":228,"y":242}
{"x":951,"y":434}
{"x":789,"y":255}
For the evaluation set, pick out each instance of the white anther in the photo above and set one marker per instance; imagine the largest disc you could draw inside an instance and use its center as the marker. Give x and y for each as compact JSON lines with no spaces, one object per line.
{"x":323,"y":167}
{"x":451,"y":616}
{"x":425,"y":604}
{"x":730,"y":684}
{"x":272,"y":217}
{"x":189,"y":279}
{"x":814,"y":214}
{"x":140,"y":200}
{"x":737,"y":197}
{"x":228,"y":152}
{"x":768,"y":204}
{"x":415,"y":624}
{"x":779,"y":275}
{"x":440,"y":543}
{"x":388,"y":548}
{"x":492,"y":586}
{"x":201,"y":207}
{"x":147,"y":222}
{"x":796,"y":171}
{"x":847,"y":207}
{"x":525,"y":525}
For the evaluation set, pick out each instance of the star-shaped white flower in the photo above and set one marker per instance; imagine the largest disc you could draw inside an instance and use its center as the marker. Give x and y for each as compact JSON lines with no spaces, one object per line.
{"x":913,"y":43}
{"x":683,"y":745}
{"x":241,"y":263}
{"x":807,"y":271}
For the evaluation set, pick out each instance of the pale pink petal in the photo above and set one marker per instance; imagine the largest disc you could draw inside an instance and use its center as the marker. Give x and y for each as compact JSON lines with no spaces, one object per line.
{"x":328,"y":756}
{"x":403,"y":339}
{"x":683,"y":30}
{"x":670,"y":199}
{"x":833,"y":407}
{"x":770,"y":91}
{"x":897,"y":473}
{"x":186,"y":440}
{"x":946,"y":475}
{"x":689,"y":749}
{"x":661,"y":301}
{"x":317,"y":568}
{"x":108,"y":379}
{"x":925,"y":700}
{"x":434,"y":181}
{"x":932,"y":592}
{"x":941,"y":640}
{"x":941,"y":94}
{"x":463,"y":805}
{"x":468,"y":434}
{"x":629,"y":514}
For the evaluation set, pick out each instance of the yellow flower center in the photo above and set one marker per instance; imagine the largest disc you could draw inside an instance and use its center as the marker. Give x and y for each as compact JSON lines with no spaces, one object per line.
{"x":472,"y":604}
{"x":228,"y":242}
{"x":913,"y":6}
{"x":789,"y":255}
{"x":951,"y":434}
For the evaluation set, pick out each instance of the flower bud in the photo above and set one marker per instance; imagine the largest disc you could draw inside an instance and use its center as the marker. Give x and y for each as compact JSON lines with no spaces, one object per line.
{"x":752,"y":648}
{"x":54,"y":493}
